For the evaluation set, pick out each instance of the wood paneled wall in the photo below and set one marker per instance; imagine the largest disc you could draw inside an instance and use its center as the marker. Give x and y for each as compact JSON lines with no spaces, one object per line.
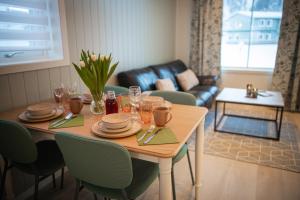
{"x":136,"y":32}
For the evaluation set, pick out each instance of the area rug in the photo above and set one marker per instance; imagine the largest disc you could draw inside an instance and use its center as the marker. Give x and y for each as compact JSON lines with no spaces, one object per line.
{"x":283,"y":154}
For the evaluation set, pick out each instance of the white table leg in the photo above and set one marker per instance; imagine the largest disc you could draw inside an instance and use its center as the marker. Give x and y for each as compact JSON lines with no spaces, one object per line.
{"x":165,"y":184}
{"x":199,"y":157}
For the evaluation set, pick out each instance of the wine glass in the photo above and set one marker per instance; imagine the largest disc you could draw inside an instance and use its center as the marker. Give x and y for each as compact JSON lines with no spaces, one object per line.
{"x":135,"y":96}
{"x":59,"y":93}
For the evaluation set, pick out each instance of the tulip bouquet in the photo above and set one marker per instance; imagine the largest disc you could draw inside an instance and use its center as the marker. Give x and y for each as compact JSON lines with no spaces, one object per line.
{"x":95,"y":70}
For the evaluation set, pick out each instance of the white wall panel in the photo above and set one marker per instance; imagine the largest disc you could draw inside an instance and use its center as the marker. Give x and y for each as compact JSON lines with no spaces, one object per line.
{"x":5,"y":95}
{"x":17,"y":89}
{"x":55,"y":78}
{"x":137,"y":33}
{"x":44,"y":84}
{"x":31,"y":87}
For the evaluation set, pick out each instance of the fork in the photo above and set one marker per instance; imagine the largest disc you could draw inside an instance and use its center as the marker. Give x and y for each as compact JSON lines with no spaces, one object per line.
{"x":67,"y":117}
{"x":152,"y":127}
{"x":152,"y":136}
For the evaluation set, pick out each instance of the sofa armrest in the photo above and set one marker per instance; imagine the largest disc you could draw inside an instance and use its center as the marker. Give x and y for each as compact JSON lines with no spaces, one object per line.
{"x":208,"y":80}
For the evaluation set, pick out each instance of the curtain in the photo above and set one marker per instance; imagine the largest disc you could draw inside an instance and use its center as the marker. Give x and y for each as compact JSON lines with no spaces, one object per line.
{"x":206,"y":32}
{"x":286,"y":76}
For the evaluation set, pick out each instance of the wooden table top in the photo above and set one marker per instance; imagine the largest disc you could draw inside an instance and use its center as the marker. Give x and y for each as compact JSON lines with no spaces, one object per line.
{"x":185,"y":120}
{"x":234,"y":95}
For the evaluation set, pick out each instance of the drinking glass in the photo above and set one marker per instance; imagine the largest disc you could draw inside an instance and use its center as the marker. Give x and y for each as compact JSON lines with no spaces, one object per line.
{"x":58,"y":94}
{"x":124,"y":103}
{"x":135,"y":96}
{"x":146,"y":112}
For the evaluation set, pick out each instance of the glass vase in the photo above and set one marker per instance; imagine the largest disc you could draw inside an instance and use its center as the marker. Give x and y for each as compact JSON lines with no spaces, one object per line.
{"x":97,"y":105}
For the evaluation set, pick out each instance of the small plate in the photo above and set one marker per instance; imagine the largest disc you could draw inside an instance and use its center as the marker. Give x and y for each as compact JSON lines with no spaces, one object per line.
{"x":136,"y":127}
{"x":109,"y":130}
{"x":116,"y":120}
{"x":40,"y":116}
{"x":40,"y":109}
{"x":24,"y":118}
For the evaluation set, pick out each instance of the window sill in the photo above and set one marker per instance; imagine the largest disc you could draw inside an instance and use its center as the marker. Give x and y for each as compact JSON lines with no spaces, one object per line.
{"x":247,"y":71}
{"x":23,"y":67}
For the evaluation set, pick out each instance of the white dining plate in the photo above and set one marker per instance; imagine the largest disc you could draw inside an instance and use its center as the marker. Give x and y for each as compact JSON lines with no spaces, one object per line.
{"x":103,"y":128}
{"x":136,"y":127}
{"x":29,"y":116}
{"x":24,"y":118}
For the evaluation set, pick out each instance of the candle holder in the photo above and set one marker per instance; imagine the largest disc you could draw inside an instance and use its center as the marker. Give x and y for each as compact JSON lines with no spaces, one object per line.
{"x":251,"y":92}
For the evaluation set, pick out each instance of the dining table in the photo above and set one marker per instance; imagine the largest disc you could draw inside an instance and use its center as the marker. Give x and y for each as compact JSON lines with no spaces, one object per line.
{"x":186,"y":120}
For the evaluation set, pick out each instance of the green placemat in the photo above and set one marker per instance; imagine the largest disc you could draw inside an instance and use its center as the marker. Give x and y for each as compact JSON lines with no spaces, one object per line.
{"x":77,"y":121}
{"x":165,"y":136}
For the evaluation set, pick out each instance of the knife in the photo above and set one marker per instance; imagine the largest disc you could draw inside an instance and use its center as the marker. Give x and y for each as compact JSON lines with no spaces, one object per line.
{"x":62,"y":119}
{"x":66,"y":119}
{"x":152,"y":136}
{"x":152,"y":127}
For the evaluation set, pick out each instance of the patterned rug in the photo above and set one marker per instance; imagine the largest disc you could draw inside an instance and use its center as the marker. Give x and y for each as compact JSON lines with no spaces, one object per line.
{"x":283,"y":154}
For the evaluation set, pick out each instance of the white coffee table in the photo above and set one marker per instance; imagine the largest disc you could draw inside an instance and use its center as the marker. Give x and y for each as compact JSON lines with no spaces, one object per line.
{"x":238,"y":96}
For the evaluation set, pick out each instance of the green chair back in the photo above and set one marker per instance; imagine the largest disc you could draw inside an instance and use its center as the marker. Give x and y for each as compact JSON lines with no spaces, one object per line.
{"x":97,"y":162}
{"x":16,"y":143}
{"x":176,"y":97}
{"x":117,"y":89}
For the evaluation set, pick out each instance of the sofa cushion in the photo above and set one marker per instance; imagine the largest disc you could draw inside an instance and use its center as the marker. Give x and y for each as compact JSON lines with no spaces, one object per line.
{"x":170,"y":70}
{"x":211,"y":89}
{"x":144,"y":77}
{"x":165,"y":84}
{"x":202,"y":97}
{"x":187,"y":79}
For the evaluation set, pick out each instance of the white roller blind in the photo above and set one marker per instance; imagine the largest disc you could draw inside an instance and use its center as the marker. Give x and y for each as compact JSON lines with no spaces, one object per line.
{"x":29,"y":31}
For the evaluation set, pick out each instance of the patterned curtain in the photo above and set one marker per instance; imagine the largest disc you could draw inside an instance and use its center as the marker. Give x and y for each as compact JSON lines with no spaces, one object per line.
{"x":206,"y":32}
{"x":286,"y":76}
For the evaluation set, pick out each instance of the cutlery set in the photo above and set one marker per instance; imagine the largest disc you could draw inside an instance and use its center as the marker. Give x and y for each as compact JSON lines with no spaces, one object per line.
{"x":63,"y":120}
{"x":151,"y":128}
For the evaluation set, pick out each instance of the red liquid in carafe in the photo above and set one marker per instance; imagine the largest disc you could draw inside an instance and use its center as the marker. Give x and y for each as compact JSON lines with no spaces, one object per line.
{"x":111,"y":106}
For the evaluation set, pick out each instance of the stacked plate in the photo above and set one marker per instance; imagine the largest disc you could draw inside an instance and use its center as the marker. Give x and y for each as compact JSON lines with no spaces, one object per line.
{"x":40,"y":112}
{"x":87,"y":98}
{"x":157,"y":101}
{"x":116,"y":125}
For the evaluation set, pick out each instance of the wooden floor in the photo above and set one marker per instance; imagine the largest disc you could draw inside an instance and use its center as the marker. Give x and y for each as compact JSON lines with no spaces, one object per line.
{"x":222,"y":179}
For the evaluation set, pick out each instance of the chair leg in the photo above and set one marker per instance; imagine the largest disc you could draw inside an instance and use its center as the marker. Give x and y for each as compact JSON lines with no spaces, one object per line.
{"x":124,"y":194}
{"x":62,"y":178}
{"x":3,"y":177}
{"x":53,"y":180}
{"x":173,"y":183}
{"x":77,"y":190}
{"x":190,"y":165}
{"x":36,"y":187}
{"x":95,"y":196}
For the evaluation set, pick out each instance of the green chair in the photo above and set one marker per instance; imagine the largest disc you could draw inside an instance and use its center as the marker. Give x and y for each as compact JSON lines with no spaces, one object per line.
{"x":18,"y":150}
{"x":105,"y":168}
{"x":117,"y":89}
{"x":178,"y":98}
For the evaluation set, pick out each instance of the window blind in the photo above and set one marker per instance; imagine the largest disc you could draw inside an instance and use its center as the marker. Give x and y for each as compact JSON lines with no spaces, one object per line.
{"x":29,"y":29}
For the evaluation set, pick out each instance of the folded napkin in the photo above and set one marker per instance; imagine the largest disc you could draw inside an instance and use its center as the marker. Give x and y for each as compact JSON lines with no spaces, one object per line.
{"x":165,"y":136}
{"x":76,"y":121}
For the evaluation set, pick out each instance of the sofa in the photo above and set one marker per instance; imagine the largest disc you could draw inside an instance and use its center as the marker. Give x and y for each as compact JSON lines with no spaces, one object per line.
{"x":146,"y":78}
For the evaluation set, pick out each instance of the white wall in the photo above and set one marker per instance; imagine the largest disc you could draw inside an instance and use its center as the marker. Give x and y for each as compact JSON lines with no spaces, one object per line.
{"x":237,"y":79}
{"x":136,"y":32}
{"x":183,"y":25}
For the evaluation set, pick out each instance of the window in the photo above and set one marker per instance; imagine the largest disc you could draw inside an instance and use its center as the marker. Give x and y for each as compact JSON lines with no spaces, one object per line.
{"x":261,"y":23}
{"x":269,"y":23}
{"x":31,"y":31}
{"x":256,"y":44}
